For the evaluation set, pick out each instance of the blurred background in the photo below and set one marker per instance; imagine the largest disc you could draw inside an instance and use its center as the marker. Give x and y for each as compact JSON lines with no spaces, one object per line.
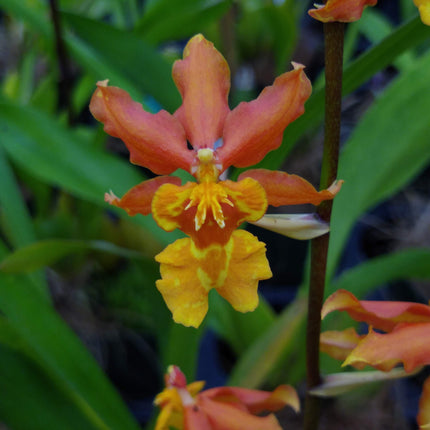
{"x":84,"y":335}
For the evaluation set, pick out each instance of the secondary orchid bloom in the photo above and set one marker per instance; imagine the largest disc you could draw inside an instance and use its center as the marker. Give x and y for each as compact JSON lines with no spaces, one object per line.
{"x":208,"y":210}
{"x":406,"y":338}
{"x":351,"y":10}
{"x":186,"y":407}
{"x":340,"y":10}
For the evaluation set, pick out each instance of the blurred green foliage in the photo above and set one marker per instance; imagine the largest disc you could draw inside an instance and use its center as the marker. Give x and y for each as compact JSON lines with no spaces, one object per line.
{"x":55,"y":166}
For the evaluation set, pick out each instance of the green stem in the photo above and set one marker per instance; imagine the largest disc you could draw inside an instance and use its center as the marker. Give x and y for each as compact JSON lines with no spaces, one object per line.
{"x":333,"y":33}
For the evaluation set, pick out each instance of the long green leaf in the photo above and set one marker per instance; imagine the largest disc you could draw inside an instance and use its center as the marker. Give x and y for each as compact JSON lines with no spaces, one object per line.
{"x":264,"y":355}
{"x":175,"y":19}
{"x":406,"y":264}
{"x":46,"y":252}
{"x":56,"y":350}
{"x":104,"y":49}
{"x":62,"y":158}
{"x":387,"y":149}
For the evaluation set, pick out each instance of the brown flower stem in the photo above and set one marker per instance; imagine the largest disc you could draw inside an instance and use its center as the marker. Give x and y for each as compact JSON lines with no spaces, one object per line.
{"x":333,"y":35}
{"x":65,"y":78}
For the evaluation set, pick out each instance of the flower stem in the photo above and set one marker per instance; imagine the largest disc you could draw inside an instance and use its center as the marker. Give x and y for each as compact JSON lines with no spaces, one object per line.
{"x":333,"y":35}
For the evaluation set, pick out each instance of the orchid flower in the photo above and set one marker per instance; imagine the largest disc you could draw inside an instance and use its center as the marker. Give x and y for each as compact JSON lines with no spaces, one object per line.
{"x":351,"y":10}
{"x":208,"y":210}
{"x":405,"y":340}
{"x":186,"y":407}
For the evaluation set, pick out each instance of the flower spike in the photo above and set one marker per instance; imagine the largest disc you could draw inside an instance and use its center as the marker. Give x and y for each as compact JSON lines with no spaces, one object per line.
{"x":209,"y":210}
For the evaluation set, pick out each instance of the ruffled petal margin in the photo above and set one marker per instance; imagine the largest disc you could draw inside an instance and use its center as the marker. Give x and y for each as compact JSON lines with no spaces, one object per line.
{"x":156,"y":141}
{"x":139,"y":198}
{"x":407,"y":344}
{"x":340,"y":10}
{"x":339,"y":344}
{"x":189,"y":273}
{"x":284,"y":189}
{"x":256,"y":401}
{"x":224,"y":416}
{"x":381,"y":315}
{"x":254,"y":128}
{"x":203,"y":79}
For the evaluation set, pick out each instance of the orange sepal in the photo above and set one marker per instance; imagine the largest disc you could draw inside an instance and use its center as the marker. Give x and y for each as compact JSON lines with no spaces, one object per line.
{"x":406,"y":343}
{"x":203,"y":79}
{"x":156,"y":141}
{"x":382,"y":315}
{"x":284,"y":189}
{"x":256,"y":401}
{"x":226,"y":416}
{"x":254,"y":128}
{"x":189,"y":273}
{"x":139,"y":198}
{"x":339,"y":344}
{"x":340,"y":10}
{"x":423,"y":417}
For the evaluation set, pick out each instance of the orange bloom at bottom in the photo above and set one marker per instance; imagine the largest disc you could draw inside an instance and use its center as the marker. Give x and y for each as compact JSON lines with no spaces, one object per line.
{"x":184,"y":407}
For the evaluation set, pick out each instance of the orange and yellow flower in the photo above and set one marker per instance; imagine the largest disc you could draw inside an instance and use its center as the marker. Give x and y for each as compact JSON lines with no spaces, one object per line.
{"x":208,"y":210}
{"x":405,"y":340}
{"x":186,"y":407}
{"x":351,"y":10}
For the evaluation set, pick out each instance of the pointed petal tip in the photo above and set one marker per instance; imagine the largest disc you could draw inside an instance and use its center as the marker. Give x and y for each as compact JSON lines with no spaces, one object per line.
{"x":103,"y":83}
{"x":111,"y":198}
{"x":335,"y":187}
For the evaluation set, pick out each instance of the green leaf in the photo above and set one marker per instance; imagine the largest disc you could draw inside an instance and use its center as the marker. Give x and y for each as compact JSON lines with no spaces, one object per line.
{"x":270,"y":349}
{"x":124,"y":58}
{"x":53,"y":348}
{"x":386,"y":150}
{"x":406,"y":264}
{"x":165,"y":20}
{"x":59,"y":157}
{"x":240,"y":330}
{"x":47,"y":252}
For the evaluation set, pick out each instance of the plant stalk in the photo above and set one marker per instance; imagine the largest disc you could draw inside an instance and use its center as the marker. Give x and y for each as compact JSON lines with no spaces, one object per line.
{"x":333,"y":35}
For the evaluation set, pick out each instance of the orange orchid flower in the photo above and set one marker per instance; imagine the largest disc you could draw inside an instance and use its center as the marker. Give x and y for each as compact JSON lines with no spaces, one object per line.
{"x":351,"y":10}
{"x":406,"y":338}
{"x":208,"y":210}
{"x":186,"y":407}
{"x":340,"y":10}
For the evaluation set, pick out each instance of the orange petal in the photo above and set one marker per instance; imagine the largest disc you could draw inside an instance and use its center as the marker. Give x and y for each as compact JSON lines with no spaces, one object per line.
{"x":423,"y":417}
{"x":407,"y":344}
{"x":189,"y":273}
{"x":185,"y":294}
{"x":156,"y":141}
{"x":195,"y":419}
{"x":253,"y":129}
{"x":223,"y":416}
{"x":379,"y":314}
{"x":248,"y":265}
{"x":284,"y":189}
{"x":339,"y":344}
{"x":256,"y":401}
{"x":138,"y":200}
{"x":203,"y":79}
{"x":340,"y":10}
